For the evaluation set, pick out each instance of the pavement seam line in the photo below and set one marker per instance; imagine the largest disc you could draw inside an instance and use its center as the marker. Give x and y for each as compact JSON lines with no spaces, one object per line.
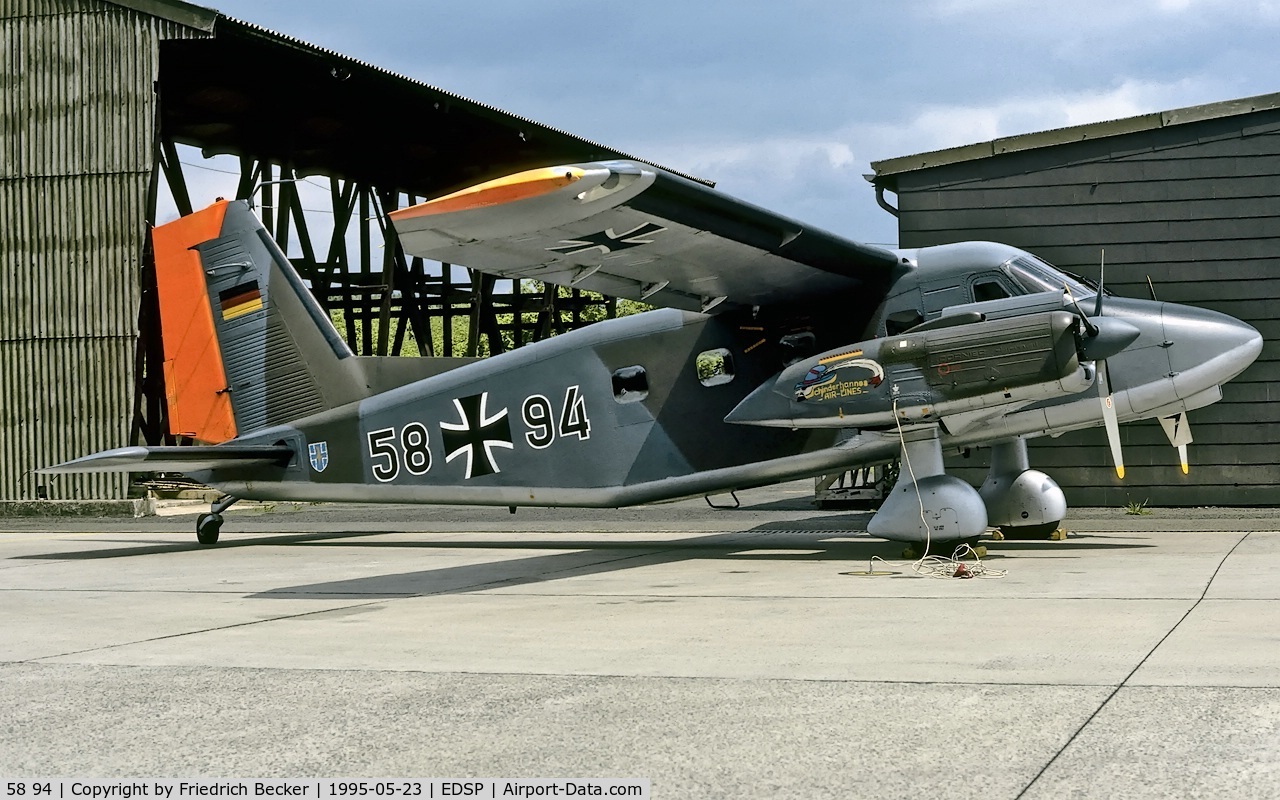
{"x":193,"y":633}
{"x":1133,"y":671}
{"x":615,"y":676}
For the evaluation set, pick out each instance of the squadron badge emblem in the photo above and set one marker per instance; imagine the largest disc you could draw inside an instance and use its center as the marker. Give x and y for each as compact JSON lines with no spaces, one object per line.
{"x":319,"y":453}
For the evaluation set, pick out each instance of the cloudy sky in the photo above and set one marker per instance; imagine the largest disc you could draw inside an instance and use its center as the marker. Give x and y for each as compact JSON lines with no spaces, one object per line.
{"x":786,"y":104}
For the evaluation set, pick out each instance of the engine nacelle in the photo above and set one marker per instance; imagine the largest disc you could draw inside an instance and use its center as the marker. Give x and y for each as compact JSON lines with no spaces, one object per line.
{"x":930,"y":373}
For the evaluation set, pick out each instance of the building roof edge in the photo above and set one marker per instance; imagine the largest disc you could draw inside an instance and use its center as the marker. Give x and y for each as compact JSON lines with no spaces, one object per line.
{"x":889,"y":167}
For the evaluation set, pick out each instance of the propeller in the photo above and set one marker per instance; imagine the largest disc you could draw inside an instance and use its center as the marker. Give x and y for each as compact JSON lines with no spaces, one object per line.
{"x":1104,"y":381}
{"x":1104,"y":377}
{"x":1176,"y":426}
{"x":1178,"y":429}
{"x":1109,"y":418}
{"x":1105,"y":337}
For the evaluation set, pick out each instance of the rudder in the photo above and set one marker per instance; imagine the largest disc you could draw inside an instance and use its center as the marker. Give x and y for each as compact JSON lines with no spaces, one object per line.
{"x":246,"y":345}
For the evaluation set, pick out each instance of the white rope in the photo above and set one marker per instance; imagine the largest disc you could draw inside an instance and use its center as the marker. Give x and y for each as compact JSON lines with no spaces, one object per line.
{"x":935,"y":566}
{"x":902,"y":441}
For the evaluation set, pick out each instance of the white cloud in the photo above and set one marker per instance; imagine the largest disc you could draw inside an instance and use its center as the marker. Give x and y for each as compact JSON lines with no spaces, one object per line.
{"x":777,"y":155}
{"x":794,"y":124}
{"x":817,"y":176}
{"x":1265,"y":9}
{"x":1083,"y":17}
{"x":942,"y":126}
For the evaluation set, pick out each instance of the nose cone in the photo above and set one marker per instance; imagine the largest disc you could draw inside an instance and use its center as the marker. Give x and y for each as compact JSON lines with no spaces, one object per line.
{"x":1208,"y":347}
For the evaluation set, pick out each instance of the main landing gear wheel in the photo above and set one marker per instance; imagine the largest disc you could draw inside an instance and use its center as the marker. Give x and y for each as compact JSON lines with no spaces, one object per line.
{"x":946,"y":549}
{"x":208,"y":526}
{"x":1027,"y":532}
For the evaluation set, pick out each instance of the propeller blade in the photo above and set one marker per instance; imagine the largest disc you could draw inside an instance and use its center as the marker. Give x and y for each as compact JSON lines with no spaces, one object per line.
{"x":1109,"y":418}
{"x":1090,"y":329}
{"x":1102,"y":282}
{"x":1178,"y":430}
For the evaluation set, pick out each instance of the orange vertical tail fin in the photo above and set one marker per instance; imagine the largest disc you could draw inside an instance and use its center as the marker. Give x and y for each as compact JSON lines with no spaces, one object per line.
{"x":246,"y":346}
{"x":196,"y":385}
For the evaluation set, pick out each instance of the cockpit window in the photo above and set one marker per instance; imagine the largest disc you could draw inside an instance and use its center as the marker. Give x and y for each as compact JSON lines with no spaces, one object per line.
{"x":1089,"y":282}
{"x":1037,"y":276}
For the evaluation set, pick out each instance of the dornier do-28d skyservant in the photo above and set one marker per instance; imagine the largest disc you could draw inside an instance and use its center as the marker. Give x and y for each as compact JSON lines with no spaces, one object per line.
{"x":826,"y":354}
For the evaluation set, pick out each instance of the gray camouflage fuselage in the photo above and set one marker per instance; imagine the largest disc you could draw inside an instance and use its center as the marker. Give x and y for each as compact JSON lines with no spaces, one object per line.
{"x":810,"y":354}
{"x":559,"y":434}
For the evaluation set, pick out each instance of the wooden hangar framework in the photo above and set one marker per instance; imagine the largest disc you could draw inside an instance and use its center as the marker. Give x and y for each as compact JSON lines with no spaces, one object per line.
{"x":102,"y":97}
{"x":291,"y":111}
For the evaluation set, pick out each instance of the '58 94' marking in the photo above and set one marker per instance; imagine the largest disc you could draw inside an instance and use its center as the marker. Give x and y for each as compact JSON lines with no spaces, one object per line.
{"x":413,"y":453}
{"x":409,"y":447}
{"x":539,"y":416}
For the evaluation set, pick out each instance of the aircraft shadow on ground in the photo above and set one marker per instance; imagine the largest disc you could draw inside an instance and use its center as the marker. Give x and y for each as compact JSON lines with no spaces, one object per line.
{"x":160,"y":547}
{"x":837,"y":538}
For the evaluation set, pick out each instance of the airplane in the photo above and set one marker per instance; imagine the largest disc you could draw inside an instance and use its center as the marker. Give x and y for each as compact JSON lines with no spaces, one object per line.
{"x":775,"y":352}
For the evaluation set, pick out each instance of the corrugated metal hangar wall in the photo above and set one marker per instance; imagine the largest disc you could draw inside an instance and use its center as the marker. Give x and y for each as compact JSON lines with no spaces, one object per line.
{"x":97,"y":97}
{"x":1190,"y":198}
{"x":78,"y":114}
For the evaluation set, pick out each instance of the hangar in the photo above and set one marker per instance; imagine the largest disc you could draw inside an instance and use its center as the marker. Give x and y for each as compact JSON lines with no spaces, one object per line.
{"x":1189,"y":198}
{"x":101,"y":94}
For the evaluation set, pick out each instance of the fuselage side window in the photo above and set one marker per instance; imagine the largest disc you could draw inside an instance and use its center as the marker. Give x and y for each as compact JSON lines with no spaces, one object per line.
{"x":714,"y":366}
{"x":989,"y":289}
{"x":902,"y":321}
{"x":630,"y":384}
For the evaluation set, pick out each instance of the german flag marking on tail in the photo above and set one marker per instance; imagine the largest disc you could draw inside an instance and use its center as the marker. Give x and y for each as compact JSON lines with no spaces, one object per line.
{"x":240,"y":300}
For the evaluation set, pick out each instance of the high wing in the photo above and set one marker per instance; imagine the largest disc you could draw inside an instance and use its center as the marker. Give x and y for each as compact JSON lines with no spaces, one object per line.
{"x":630,"y":230}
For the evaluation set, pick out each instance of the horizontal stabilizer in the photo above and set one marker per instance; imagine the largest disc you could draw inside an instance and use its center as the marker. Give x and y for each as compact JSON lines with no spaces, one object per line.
{"x":174,"y":459}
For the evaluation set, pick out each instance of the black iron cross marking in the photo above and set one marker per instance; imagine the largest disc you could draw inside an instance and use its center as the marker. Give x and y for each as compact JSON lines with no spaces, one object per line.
{"x":607,"y":241}
{"x":476,"y":435}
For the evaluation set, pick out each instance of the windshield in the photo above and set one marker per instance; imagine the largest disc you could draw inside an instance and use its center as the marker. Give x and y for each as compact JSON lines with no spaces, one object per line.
{"x":1037,"y":276}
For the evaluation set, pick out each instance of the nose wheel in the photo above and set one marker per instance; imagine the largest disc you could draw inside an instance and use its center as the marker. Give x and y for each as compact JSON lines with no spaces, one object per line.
{"x":209,"y":525}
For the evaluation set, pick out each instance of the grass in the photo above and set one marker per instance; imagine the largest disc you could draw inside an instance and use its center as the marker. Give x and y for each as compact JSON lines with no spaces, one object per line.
{"x":1137,"y":509}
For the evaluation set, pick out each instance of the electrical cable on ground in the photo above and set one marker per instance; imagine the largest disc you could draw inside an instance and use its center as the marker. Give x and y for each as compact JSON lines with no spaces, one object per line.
{"x":927,"y":565}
